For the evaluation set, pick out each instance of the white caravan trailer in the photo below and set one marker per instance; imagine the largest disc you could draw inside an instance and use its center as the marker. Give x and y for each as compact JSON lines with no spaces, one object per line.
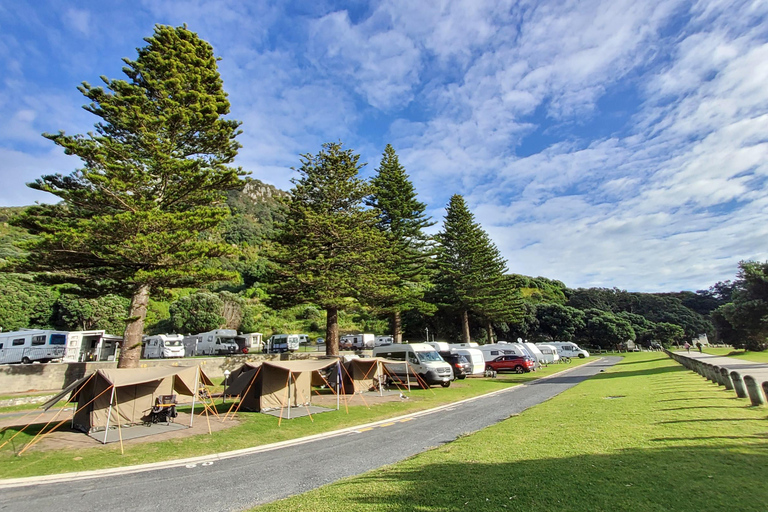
{"x":548,"y":352}
{"x":423,"y":360}
{"x":216,"y":342}
{"x":29,"y":345}
{"x":383,"y":340}
{"x":494,"y":350}
{"x":440,"y":346}
{"x":358,"y":341}
{"x":282,"y":343}
{"x":163,"y":346}
{"x":569,"y":349}
{"x":93,"y":345}
{"x":249,"y":342}
{"x":474,"y":355}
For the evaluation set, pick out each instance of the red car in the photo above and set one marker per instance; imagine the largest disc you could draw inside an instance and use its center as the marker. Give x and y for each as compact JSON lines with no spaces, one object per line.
{"x":517,"y":364}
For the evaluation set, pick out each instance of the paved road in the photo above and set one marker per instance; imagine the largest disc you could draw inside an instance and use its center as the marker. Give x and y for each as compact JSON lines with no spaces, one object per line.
{"x":241,"y":482}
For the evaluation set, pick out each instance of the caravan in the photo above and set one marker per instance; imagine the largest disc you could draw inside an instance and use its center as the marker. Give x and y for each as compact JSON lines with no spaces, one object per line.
{"x":249,"y":342}
{"x":357,"y":341}
{"x":216,"y":342}
{"x":29,"y":345}
{"x":548,"y":352}
{"x":163,"y":346}
{"x":494,"y":350}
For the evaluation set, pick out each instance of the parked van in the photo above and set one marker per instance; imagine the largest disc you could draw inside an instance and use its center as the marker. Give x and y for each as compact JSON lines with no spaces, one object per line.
{"x":383,"y":340}
{"x":163,"y":346}
{"x":423,"y":360}
{"x":357,"y":341}
{"x":474,"y":355}
{"x":569,"y":349}
{"x":548,"y":352}
{"x":282,"y":343}
{"x":249,"y":342}
{"x":216,"y":342}
{"x":29,"y":345}
{"x":494,"y":350}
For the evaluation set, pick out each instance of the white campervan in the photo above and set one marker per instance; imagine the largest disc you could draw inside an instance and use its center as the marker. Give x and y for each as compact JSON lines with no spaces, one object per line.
{"x":357,"y":341}
{"x":569,"y":349}
{"x":548,"y":352}
{"x":163,"y":346}
{"x":216,"y":342}
{"x":282,"y":343}
{"x":423,"y":360}
{"x":29,"y":345}
{"x":383,"y":340}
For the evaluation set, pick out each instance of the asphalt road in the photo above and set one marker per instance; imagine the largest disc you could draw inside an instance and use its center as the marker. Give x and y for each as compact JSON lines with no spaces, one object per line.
{"x":245,"y":481}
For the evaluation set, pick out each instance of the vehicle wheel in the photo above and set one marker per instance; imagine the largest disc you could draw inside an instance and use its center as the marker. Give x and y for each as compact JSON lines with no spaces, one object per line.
{"x":581,"y":356}
{"x":519,"y":369}
{"x":462,"y":377}
{"x":445,"y":383}
{"x":26,"y":360}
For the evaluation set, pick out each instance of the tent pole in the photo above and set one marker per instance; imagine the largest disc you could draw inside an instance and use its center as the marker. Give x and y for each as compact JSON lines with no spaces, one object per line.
{"x":338,"y":379}
{"x":380,"y":375}
{"x":290,"y":374}
{"x":194,"y":396}
{"x":109,"y":414}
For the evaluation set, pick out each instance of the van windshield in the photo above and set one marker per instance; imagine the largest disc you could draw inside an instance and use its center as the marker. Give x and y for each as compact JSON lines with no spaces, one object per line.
{"x":429,"y":356}
{"x":173,"y":343}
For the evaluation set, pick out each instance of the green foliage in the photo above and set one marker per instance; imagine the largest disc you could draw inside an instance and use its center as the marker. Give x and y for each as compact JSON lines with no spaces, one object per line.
{"x":606,"y":330}
{"x":199,"y":312}
{"x":107,"y":312}
{"x":744,"y":321}
{"x":558,"y":322}
{"x":24,"y":303}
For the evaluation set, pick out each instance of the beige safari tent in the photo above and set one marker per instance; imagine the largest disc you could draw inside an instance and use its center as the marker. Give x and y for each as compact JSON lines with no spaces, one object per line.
{"x":126,"y":396}
{"x":277,"y":384}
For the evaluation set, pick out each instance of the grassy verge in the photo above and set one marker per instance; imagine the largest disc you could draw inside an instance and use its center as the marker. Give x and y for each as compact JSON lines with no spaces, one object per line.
{"x":759,"y":357}
{"x":646,"y":435}
{"x":254,"y":430}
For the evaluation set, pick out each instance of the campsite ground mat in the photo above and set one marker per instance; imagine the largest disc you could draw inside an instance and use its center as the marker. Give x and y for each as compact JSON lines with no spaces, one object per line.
{"x":298,"y":412}
{"x":135,"y":431}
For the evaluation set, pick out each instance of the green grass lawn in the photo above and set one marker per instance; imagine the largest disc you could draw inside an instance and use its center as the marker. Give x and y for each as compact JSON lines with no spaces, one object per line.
{"x":646,"y":435}
{"x":254,"y":430}
{"x":760,"y":357}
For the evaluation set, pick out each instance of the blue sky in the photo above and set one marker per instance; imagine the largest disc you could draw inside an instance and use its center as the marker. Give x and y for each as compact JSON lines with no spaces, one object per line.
{"x":616,"y":143}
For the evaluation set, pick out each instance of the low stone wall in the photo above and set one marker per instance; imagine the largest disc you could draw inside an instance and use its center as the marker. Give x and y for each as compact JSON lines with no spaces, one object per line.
{"x":24,"y":378}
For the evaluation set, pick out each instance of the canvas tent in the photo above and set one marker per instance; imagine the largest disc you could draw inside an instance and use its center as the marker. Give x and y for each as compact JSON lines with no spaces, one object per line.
{"x":364,"y":374}
{"x":276,"y":384}
{"x":125,"y":396}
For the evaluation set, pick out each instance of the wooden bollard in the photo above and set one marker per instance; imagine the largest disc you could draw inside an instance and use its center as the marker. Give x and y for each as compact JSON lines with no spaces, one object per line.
{"x":738,"y":385}
{"x":753,"y":390}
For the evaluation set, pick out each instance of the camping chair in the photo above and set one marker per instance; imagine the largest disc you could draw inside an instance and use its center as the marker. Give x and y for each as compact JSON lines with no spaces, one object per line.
{"x":164,"y":409}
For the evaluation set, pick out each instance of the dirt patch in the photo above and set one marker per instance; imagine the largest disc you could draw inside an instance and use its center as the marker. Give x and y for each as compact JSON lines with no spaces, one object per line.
{"x":65,"y":438}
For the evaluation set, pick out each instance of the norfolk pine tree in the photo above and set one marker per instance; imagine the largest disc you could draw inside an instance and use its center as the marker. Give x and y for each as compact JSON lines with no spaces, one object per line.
{"x":329,"y":251}
{"x":471,"y":272}
{"x":402,"y":220}
{"x":136,"y":217}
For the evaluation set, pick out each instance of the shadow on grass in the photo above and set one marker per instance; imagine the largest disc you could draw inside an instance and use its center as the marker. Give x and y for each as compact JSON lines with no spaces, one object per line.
{"x":661,"y":370}
{"x":709,"y":438}
{"x":699,"y":407}
{"x":693,"y":479}
{"x":702,"y":420}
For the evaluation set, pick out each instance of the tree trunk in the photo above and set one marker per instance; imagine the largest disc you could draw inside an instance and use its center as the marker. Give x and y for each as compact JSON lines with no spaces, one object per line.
{"x":397,"y":328}
{"x":332,"y":332}
{"x":130,"y":350}
{"x":465,"y":327}
{"x":489,"y":328}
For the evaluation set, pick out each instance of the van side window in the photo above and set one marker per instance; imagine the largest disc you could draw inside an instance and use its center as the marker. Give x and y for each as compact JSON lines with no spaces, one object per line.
{"x":38,"y":340}
{"x":17,"y":342}
{"x":58,"y":339}
{"x":412,"y":358}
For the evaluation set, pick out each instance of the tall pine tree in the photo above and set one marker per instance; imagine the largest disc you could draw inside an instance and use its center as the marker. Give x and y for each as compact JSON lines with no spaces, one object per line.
{"x":329,"y":251}
{"x":402,"y":220}
{"x":471,"y":272}
{"x":134,"y":218}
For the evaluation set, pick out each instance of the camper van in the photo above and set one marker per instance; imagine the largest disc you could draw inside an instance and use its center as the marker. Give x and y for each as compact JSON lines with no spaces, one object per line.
{"x":282,"y":343}
{"x":249,"y":342}
{"x":474,"y":355}
{"x":569,"y":349}
{"x":494,"y":350}
{"x":212,"y":343}
{"x":383,"y":340}
{"x":163,"y":346}
{"x":29,"y":345}
{"x":423,"y":360}
{"x":548,"y":352}
{"x":357,"y":341}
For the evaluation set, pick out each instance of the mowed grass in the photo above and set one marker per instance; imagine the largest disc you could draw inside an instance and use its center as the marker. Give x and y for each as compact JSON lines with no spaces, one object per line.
{"x":254,"y":429}
{"x":646,"y":435}
{"x":760,"y":357}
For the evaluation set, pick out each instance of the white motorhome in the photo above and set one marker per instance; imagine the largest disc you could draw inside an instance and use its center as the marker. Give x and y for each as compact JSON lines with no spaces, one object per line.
{"x":440,"y":346}
{"x":163,"y":346}
{"x":29,"y":345}
{"x":548,"y":352}
{"x":569,"y":349}
{"x":494,"y":350}
{"x":383,"y":340}
{"x":249,"y":342}
{"x":216,"y":342}
{"x":474,"y":355}
{"x":423,"y":360}
{"x":282,"y":343}
{"x":358,"y":341}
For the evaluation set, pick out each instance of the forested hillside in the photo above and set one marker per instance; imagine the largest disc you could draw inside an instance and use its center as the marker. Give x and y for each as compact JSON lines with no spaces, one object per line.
{"x":549,"y":310}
